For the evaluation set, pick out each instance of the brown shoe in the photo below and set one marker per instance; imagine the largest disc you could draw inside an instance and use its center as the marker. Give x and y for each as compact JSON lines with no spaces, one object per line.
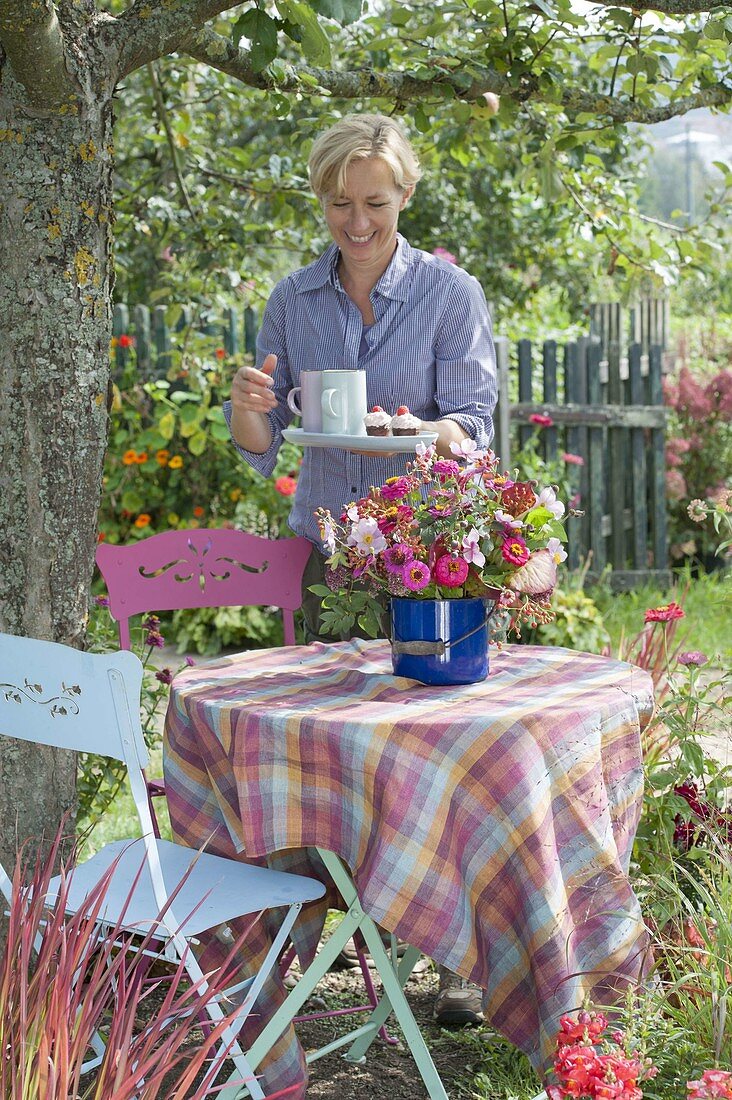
{"x":347,"y":959}
{"x":458,"y":1002}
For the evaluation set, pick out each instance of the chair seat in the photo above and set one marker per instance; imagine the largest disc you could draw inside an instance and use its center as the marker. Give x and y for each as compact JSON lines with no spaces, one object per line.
{"x":215,"y":890}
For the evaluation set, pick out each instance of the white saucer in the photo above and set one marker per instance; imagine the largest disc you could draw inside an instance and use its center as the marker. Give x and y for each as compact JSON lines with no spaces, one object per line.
{"x":375,"y":443}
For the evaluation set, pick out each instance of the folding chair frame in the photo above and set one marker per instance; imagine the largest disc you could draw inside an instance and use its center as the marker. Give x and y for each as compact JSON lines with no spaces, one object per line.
{"x":109,"y":697}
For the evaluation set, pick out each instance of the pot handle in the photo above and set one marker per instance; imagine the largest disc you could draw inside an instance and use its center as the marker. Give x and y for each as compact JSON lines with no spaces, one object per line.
{"x":438,"y":647}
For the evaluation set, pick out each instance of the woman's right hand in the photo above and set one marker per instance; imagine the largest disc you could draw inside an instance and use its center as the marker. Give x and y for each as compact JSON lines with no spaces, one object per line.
{"x":251,"y":390}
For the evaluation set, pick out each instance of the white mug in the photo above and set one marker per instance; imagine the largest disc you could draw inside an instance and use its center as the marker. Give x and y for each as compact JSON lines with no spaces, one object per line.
{"x":343,"y":402}
{"x":308,"y":393}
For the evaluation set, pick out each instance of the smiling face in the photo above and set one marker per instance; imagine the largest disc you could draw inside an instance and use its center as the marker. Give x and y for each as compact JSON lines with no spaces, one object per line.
{"x":363,"y":218}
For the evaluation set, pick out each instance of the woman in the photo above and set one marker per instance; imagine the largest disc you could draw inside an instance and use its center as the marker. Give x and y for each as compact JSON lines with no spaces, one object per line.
{"x":417,"y":325}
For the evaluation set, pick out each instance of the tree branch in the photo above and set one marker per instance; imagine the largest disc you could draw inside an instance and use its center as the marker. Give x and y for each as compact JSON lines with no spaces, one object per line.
{"x":33,"y":42}
{"x":219,"y":52}
{"x":148,"y":30}
{"x":665,"y":7}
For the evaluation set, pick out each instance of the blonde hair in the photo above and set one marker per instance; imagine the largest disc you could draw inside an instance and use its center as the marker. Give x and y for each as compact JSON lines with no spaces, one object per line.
{"x":358,"y":137}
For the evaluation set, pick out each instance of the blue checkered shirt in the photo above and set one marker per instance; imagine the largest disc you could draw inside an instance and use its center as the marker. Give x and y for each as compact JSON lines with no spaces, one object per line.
{"x":431,"y":349}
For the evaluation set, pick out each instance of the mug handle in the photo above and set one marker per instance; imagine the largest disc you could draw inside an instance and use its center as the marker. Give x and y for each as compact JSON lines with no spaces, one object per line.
{"x":292,"y":403}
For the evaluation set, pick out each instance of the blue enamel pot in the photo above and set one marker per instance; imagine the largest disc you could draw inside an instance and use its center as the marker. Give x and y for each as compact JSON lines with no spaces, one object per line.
{"x":440,"y":641}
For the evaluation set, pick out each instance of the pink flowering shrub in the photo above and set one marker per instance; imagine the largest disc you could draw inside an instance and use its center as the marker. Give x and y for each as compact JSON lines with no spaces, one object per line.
{"x":698,"y":451}
{"x":593,"y":1062}
{"x":590,"y":1063}
{"x":447,"y":528}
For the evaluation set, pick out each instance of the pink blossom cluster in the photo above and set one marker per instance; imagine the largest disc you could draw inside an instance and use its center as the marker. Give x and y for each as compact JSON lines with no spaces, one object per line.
{"x":691,"y":398}
{"x":451,"y":527}
{"x":713,"y":1083}
{"x":590,"y":1064}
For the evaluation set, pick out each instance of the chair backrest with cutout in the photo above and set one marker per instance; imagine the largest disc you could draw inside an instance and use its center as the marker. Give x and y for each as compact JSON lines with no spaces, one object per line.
{"x":216,"y":567}
{"x":56,"y":695}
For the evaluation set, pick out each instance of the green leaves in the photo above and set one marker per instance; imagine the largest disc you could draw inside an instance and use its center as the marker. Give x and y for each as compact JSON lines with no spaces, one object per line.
{"x":309,"y":33}
{"x":343,"y":11}
{"x":261,"y":30}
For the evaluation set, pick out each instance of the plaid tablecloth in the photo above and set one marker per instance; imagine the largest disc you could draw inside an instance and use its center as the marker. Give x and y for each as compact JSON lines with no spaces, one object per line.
{"x":490,"y":825}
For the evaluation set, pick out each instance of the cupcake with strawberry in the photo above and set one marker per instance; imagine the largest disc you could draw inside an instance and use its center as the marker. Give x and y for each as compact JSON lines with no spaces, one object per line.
{"x":377,"y":422}
{"x":404,"y":423}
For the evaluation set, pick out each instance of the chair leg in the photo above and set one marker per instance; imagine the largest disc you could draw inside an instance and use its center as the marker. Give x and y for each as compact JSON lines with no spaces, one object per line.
{"x":392,"y":981}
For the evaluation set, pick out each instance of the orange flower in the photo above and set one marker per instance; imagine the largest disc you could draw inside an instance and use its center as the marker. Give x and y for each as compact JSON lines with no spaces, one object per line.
{"x":141,"y":458}
{"x":162,"y":457}
{"x":176,"y":462}
{"x":101,"y":536}
{"x":113,"y":343}
{"x":129,"y":458}
{"x":220,"y":353}
{"x":142,"y":520}
{"x":285,"y":485}
{"x":234,"y":495}
{"x":198,"y":511}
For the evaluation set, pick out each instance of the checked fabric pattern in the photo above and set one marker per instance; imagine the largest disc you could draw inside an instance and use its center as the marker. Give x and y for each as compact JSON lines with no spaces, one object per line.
{"x":490,"y":825}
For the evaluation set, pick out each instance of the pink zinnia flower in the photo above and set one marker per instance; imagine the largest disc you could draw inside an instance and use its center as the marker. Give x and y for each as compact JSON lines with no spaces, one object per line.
{"x":664,"y":614}
{"x":416,"y":575}
{"x":540,"y":420}
{"x":395,"y":488}
{"x":692,"y":657}
{"x":450,"y":571}
{"x":397,"y":556}
{"x":446,"y":467}
{"x":515,"y":550}
{"x":573,"y":460}
{"x":443,"y":254}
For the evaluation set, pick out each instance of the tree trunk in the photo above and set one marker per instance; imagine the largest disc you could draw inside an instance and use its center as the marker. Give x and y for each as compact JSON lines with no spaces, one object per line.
{"x":55,"y":328}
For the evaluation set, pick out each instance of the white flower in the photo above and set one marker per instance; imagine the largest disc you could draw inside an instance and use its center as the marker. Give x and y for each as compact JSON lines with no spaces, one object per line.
{"x":466,"y":448}
{"x":353,"y":514}
{"x":548,"y":498}
{"x":327,"y":533}
{"x":557,"y":551}
{"x":537,"y":577}
{"x":367,"y":538}
{"x":471,"y":549}
{"x":507,"y":520}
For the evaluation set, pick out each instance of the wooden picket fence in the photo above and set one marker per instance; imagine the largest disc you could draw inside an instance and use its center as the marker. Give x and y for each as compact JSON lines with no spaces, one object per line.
{"x":602,"y":392}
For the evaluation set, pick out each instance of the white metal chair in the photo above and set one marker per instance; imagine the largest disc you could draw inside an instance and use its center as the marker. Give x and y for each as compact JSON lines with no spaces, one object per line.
{"x":52,"y":694}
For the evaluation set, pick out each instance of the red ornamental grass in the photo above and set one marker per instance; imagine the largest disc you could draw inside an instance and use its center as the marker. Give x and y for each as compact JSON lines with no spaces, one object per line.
{"x":62,"y":981}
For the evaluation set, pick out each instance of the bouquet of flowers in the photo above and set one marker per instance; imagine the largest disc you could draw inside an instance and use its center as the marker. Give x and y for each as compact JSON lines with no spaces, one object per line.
{"x":445,"y":529}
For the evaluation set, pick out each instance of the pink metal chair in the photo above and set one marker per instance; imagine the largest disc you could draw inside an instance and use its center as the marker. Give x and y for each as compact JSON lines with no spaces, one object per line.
{"x":215,"y":567}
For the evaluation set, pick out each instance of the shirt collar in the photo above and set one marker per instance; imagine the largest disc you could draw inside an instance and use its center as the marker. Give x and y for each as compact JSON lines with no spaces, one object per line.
{"x":394,"y":283}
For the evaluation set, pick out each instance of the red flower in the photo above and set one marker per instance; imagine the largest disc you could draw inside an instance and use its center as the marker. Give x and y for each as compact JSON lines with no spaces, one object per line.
{"x":515,"y":550}
{"x":285,"y":485}
{"x":665,"y":613}
{"x":541,"y":421}
{"x":450,"y":571}
{"x":220,"y":353}
{"x":198,"y":511}
{"x":125,"y":341}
